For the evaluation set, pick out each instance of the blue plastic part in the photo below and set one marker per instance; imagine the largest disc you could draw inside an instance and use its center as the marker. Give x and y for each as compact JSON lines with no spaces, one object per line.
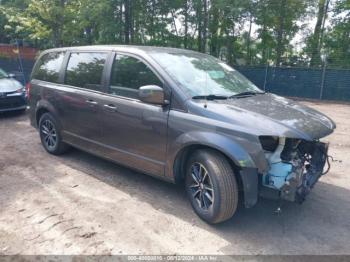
{"x":277,"y":175}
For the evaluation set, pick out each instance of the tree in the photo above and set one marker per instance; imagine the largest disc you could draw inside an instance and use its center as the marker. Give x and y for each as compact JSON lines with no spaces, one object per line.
{"x":278,"y":25}
{"x":8,"y":27}
{"x":40,"y":20}
{"x":337,"y":39}
{"x":316,"y":40}
{"x":238,"y":31}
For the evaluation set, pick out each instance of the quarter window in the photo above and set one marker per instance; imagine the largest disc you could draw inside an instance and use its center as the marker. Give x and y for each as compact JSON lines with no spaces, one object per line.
{"x":49,"y":66}
{"x":129,"y":74}
{"x":85,"y":70}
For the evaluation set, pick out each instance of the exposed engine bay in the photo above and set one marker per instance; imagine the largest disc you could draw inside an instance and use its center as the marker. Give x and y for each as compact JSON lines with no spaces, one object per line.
{"x":295,"y":166}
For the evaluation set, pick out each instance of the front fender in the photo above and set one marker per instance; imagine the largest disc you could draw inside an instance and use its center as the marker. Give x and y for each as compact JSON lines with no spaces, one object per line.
{"x":233,"y":150}
{"x":214,"y":140}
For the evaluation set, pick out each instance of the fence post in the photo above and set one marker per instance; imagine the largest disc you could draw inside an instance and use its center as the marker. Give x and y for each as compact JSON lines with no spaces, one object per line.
{"x":323,"y":80}
{"x":266,"y":70}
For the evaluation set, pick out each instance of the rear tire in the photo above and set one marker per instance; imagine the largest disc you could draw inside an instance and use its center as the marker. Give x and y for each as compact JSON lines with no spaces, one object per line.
{"x":211,"y":186}
{"x":50,"y":135}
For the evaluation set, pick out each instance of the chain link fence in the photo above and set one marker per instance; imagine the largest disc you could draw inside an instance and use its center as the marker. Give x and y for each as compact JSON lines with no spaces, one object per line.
{"x":323,"y":83}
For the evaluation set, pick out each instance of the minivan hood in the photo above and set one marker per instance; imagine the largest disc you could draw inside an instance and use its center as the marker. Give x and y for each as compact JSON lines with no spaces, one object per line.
{"x":9,"y":85}
{"x":268,"y":114}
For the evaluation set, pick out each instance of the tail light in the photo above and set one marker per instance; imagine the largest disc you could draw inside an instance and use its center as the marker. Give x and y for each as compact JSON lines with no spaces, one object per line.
{"x":28,"y":87}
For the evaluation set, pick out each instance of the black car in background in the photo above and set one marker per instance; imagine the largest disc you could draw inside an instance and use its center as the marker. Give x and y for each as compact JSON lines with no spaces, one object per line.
{"x":12,"y":93}
{"x":179,"y":115}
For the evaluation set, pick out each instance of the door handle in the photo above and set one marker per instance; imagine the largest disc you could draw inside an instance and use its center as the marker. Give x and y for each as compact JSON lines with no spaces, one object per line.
{"x":110,"y":107}
{"x":91,"y":102}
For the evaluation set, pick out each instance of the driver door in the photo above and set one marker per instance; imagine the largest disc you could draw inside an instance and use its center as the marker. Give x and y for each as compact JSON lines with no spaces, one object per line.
{"x":134,"y":133}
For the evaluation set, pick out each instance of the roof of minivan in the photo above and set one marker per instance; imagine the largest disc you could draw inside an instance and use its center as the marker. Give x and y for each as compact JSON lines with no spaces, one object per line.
{"x":126,"y":48}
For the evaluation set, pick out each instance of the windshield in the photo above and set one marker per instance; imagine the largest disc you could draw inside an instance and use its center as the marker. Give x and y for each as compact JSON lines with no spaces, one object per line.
{"x":203,"y":75}
{"x":3,"y":74}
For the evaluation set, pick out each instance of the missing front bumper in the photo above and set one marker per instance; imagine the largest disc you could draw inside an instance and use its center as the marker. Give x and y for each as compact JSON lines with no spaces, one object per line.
{"x":293,"y":178}
{"x":314,"y":170}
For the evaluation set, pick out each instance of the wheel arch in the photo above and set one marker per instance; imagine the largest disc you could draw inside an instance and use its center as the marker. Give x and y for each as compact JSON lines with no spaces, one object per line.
{"x":243,"y":166}
{"x":180,"y":163}
{"x":43,"y":107}
{"x":39,"y":113}
{"x":179,"y":149}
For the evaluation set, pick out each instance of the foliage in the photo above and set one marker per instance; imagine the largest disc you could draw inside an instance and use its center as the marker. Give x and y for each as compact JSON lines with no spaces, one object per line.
{"x":242,"y":32}
{"x":337,"y":39}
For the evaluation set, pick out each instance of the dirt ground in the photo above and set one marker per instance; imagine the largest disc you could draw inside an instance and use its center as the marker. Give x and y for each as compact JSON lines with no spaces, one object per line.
{"x":81,"y":204}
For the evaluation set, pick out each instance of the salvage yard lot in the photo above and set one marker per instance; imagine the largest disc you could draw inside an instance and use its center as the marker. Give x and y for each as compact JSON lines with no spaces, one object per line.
{"x":80,"y":204}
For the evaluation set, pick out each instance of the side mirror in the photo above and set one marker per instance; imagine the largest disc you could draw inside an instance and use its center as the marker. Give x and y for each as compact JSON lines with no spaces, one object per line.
{"x":11,"y":76}
{"x":152,"y":94}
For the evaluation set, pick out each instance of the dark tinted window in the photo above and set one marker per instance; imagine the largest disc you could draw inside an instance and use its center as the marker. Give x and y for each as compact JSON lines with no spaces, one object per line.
{"x":85,"y":70}
{"x":129,"y":74}
{"x":48,"y":67}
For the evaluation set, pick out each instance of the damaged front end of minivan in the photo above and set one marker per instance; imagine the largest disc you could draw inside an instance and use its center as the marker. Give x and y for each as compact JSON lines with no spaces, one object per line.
{"x":295,"y":165}
{"x":281,"y":140}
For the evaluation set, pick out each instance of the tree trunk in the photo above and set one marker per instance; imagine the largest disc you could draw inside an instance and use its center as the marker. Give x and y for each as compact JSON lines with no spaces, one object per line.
{"x":230,"y":52}
{"x":199,"y":22}
{"x":174,"y":22}
{"x":248,"y":58}
{"x":121,"y":23}
{"x":136,"y":22}
{"x":264,"y":47}
{"x":131,"y":21}
{"x":317,"y":38}
{"x":88,"y":32}
{"x":58,"y":28}
{"x":186,"y":24}
{"x":280,"y":33}
{"x":205,"y":26}
{"x":162,"y":33}
{"x":230,"y":40}
{"x":214,"y":28}
{"x":152,"y":20}
{"x":126,"y":22}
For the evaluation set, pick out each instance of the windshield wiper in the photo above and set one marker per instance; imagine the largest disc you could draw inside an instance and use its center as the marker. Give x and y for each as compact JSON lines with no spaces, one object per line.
{"x":246,"y":93}
{"x":222,"y":97}
{"x":211,"y":97}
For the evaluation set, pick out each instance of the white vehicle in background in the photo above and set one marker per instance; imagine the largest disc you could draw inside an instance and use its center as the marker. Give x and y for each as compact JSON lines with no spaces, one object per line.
{"x":12,"y":93}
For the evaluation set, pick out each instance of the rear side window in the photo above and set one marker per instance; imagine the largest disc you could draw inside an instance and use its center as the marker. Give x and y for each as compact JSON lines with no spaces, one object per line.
{"x":85,"y":70}
{"x":48,"y":68}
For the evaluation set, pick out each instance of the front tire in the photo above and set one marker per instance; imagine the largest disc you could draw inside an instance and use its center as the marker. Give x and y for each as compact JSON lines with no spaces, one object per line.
{"x":50,"y":135}
{"x":211,"y":186}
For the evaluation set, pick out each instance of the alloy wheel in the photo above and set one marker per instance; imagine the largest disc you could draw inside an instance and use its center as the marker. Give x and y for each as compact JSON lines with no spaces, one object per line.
{"x":49,"y":134}
{"x":201,"y":187}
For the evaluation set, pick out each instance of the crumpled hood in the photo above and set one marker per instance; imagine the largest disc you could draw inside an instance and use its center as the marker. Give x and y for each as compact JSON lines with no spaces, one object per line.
{"x":268,"y":114}
{"x":9,"y":85}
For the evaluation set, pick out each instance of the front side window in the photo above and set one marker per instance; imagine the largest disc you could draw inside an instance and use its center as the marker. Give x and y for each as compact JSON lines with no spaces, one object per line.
{"x":203,"y":75}
{"x":129,"y":74}
{"x":85,"y":70}
{"x":49,"y":66}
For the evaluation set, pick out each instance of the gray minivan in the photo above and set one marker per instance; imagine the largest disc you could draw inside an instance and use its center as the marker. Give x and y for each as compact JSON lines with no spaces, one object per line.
{"x":179,"y":115}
